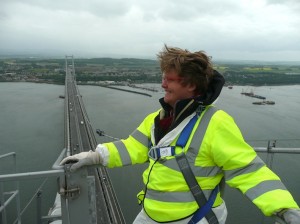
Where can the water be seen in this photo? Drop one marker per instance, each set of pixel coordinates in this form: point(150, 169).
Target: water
point(258, 123)
point(32, 125)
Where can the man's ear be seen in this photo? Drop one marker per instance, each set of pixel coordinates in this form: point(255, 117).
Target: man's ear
point(191, 87)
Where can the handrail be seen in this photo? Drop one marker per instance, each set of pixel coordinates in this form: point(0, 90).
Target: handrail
point(7, 154)
point(56, 165)
point(277, 150)
point(16, 177)
point(271, 149)
point(31, 175)
point(15, 194)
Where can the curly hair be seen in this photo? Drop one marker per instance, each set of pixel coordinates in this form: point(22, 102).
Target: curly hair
point(195, 68)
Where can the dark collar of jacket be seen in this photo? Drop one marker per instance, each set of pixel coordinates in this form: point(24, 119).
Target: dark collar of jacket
point(182, 109)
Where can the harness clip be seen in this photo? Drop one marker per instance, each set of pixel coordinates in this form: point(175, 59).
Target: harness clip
point(156, 153)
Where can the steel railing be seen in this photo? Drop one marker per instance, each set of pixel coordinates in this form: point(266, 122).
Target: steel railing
point(75, 191)
point(6, 198)
point(13, 194)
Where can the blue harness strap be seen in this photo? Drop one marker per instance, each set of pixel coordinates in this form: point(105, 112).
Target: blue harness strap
point(186, 132)
point(206, 209)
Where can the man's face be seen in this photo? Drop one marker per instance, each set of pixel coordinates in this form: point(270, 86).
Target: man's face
point(174, 89)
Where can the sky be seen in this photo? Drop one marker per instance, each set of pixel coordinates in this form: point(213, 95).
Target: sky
point(267, 30)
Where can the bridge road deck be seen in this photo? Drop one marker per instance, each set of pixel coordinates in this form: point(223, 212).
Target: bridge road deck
point(79, 137)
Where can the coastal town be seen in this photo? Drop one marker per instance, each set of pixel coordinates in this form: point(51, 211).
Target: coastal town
point(129, 71)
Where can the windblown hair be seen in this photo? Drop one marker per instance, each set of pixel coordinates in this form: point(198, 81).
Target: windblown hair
point(195, 68)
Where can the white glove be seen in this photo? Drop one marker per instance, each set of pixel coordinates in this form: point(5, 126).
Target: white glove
point(83, 159)
point(291, 216)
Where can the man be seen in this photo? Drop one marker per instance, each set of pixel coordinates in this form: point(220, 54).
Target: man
point(191, 147)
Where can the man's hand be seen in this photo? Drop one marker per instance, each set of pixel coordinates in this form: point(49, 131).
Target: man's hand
point(290, 216)
point(83, 159)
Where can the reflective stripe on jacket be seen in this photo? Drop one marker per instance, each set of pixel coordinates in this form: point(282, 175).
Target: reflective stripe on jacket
point(222, 153)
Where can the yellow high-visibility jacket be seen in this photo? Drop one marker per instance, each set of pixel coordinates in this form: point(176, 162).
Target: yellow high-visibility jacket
point(223, 153)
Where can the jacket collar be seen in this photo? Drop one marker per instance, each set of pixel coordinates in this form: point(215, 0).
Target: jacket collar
point(185, 106)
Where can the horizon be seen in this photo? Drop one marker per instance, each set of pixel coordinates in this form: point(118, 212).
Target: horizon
point(49, 56)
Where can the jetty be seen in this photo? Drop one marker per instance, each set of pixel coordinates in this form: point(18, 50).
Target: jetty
point(264, 102)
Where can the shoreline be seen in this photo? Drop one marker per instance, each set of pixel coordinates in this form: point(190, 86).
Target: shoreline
point(225, 85)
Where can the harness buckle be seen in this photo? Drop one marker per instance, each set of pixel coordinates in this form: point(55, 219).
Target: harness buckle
point(200, 109)
point(157, 153)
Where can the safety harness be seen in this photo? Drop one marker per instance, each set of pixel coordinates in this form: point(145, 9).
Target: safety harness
point(204, 204)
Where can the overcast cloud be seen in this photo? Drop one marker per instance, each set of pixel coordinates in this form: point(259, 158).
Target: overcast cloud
point(225, 29)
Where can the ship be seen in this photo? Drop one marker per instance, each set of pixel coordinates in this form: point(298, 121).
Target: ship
point(251, 94)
